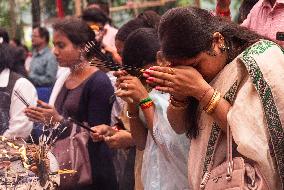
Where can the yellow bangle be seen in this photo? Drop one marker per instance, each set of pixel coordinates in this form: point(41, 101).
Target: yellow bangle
point(213, 103)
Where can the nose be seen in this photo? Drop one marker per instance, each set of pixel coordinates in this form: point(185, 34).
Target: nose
point(55, 51)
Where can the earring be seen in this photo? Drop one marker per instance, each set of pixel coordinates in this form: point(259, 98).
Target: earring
point(223, 48)
point(81, 56)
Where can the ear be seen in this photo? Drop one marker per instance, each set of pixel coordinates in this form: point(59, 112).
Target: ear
point(218, 39)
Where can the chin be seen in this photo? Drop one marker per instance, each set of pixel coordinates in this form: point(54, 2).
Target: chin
point(61, 64)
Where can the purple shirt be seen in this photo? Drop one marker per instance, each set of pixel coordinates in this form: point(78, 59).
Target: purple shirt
point(267, 20)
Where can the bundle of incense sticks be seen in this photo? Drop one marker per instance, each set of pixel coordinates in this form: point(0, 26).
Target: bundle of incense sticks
point(102, 60)
point(21, 97)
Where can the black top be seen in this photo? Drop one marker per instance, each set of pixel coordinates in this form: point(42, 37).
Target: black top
point(90, 102)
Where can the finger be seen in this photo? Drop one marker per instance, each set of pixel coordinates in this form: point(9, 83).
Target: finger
point(168, 70)
point(33, 113)
point(124, 86)
point(119, 73)
point(165, 89)
point(160, 75)
point(44, 105)
point(123, 78)
point(34, 117)
point(40, 110)
point(160, 82)
point(123, 93)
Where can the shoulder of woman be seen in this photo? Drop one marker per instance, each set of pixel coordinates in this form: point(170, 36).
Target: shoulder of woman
point(99, 79)
point(24, 83)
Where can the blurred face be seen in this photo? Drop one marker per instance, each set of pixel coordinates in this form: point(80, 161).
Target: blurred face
point(207, 65)
point(66, 53)
point(99, 30)
point(37, 40)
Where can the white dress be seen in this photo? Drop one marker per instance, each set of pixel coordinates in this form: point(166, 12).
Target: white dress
point(164, 164)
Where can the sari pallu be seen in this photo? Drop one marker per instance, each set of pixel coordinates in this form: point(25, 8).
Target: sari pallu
point(256, 77)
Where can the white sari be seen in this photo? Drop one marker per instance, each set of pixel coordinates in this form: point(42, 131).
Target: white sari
point(165, 158)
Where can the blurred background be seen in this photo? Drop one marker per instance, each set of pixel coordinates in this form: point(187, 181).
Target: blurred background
point(18, 16)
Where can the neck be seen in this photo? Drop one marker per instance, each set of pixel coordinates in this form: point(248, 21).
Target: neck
point(79, 68)
point(40, 47)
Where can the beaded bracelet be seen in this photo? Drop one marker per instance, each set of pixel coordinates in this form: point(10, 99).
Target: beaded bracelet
point(146, 103)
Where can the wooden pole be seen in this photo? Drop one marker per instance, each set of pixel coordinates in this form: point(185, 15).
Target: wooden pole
point(36, 12)
point(59, 9)
point(197, 3)
point(138, 5)
point(78, 10)
point(12, 15)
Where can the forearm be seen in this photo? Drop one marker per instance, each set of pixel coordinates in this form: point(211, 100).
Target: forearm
point(138, 130)
point(177, 119)
point(220, 112)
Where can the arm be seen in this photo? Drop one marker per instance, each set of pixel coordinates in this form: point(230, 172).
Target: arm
point(19, 124)
point(137, 128)
point(132, 88)
point(97, 98)
point(188, 82)
point(177, 119)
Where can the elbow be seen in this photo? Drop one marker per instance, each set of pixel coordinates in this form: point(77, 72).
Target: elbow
point(140, 147)
point(140, 144)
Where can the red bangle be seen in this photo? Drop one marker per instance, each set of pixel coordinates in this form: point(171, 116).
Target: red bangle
point(146, 105)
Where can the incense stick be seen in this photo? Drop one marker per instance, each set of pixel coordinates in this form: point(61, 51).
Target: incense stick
point(21, 97)
point(82, 125)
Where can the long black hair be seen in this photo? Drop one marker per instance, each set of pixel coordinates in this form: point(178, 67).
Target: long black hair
point(147, 19)
point(186, 32)
point(140, 48)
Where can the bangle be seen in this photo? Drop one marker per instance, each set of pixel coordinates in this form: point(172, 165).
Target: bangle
point(213, 103)
point(131, 116)
point(145, 101)
point(146, 105)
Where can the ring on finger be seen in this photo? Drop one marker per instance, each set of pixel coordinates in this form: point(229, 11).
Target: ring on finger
point(171, 71)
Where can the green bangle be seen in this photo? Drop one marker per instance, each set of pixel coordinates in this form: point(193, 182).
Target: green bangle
point(145, 101)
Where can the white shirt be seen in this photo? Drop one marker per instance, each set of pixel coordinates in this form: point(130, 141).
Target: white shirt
point(109, 37)
point(19, 124)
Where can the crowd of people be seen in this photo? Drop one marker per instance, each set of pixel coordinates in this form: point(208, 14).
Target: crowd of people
point(186, 100)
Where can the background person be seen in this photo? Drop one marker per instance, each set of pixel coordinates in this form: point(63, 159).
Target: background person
point(43, 65)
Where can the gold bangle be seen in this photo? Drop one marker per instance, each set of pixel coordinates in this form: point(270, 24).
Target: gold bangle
point(211, 100)
point(213, 103)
